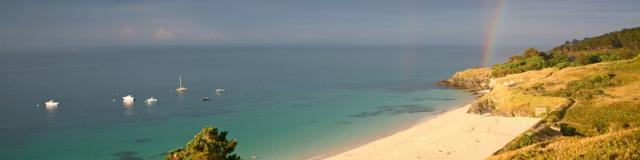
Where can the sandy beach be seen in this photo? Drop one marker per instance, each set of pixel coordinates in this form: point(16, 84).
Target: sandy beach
point(454, 134)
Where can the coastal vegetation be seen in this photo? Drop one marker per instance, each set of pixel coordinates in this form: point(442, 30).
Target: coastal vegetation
point(624, 44)
point(208, 144)
point(587, 92)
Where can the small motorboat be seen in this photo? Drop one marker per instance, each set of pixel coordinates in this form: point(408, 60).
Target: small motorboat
point(151, 100)
point(128, 99)
point(221, 90)
point(51, 103)
point(205, 98)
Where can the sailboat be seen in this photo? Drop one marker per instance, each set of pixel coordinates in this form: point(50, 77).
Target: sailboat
point(181, 88)
point(51, 103)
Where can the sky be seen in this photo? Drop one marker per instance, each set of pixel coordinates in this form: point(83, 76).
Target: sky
point(544, 23)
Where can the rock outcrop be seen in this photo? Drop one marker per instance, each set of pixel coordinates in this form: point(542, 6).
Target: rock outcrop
point(473, 79)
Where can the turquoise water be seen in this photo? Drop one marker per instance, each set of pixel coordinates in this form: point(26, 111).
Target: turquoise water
point(282, 102)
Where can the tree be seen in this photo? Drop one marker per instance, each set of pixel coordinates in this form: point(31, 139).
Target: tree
point(209, 144)
point(532, 52)
point(558, 59)
point(534, 63)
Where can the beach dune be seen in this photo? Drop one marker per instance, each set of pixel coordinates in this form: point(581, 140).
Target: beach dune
point(454, 134)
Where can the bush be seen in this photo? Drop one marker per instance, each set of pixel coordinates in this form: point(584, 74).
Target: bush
point(567, 130)
point(531, 59)
point(585, 59)
point(563, 64)
point(534, 63)
point(558, 59)
point(519, 66)
point(209, 144)
point(588, 87)
point(532, 52)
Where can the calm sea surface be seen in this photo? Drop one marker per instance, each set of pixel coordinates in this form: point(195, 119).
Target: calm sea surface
point(281, 102)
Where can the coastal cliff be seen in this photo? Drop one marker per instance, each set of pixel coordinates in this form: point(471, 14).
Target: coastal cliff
point(473, 79)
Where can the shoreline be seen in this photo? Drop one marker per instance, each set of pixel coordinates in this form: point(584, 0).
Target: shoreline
point(385, 135)
point(438, 137)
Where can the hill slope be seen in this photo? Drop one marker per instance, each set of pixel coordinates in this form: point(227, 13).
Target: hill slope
point(583, 94)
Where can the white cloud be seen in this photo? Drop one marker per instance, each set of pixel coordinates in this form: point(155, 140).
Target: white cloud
point(163, 33)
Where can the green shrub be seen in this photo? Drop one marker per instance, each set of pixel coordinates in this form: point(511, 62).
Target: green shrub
point(519, 66)
point(586, 88)
point(558, 59)
point(592, 120)
point(208, 144)
point(585, 59)
point(568, 130)
point(563, 65)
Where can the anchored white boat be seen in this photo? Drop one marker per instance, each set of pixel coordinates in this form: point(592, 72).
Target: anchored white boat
point(51, 103)
point(221, 90)
point(151, 100)
point(181, 88)
point(128, 99)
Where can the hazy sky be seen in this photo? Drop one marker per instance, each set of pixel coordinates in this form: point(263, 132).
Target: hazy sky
point(28, 23)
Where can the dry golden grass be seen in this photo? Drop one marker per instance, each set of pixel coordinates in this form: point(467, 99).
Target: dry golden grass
point(473, 72)
point(618, 145)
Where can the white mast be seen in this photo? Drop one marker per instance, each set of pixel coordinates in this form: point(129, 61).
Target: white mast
point(181, 88)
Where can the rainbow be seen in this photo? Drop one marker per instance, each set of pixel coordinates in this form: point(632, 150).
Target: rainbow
point(491, 32)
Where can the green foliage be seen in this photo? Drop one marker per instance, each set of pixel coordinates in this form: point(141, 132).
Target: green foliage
point(609, 57)
point(626, 38)
point(594, 81)
point(534, 63)
point(532, 59)
point(532, 52)
point(527, 139)
point(568, 130)
point(563, 64)
point(602, 122)
point(624, 44)
point(176, 154)
point(590, 57)
point(585, 59)
point(588, 87)
point(208, 144)
point(559, 60)
point(590, 120)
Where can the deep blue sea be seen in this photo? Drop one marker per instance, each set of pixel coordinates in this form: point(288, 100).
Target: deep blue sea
point(281, 102)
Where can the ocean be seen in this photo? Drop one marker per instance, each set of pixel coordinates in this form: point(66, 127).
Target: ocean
point(281, 102)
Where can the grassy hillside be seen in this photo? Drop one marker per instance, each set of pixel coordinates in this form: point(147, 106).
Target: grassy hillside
point(587, 92)
point(605, 96)
point(617, 145)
